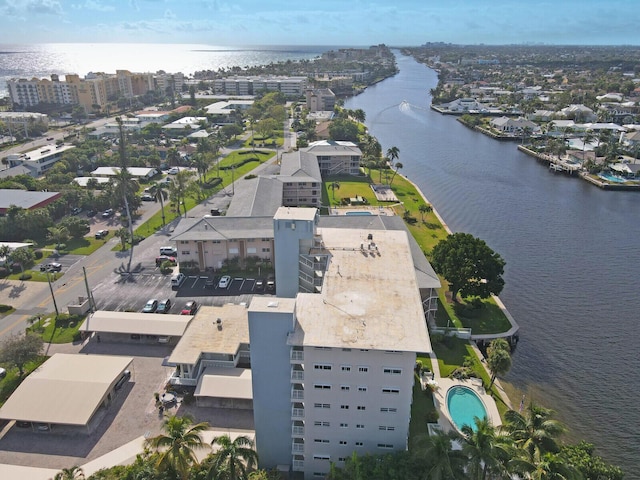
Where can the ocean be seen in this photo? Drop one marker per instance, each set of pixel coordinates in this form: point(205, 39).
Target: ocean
point(41, 60)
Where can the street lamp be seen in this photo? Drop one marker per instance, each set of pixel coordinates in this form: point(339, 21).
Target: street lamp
point(53, 297)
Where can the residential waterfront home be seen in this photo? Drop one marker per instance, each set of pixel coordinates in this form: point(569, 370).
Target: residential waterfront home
point(513, 126)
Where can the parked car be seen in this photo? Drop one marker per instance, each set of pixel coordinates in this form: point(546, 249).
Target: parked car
point(76, 210)
point(165, 258)
point(107, 213)
point(91, 213)
point(51, 267)
point(177, 279)
point(102, 234)
point(259, 286)
point(3, 373)
point(190, 308)
point(164, 306)
point(210, 282)
point(173, 171)
point(123, 379)
point(49, 139)
point(168, 251)
point(224, 282)
point(147, 197)
point(271, 284)
point(215, 212)
point(151, 306)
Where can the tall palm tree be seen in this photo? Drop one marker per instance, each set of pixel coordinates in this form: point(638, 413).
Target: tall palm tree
point(202, 162)
point(397, 166)
point(160, 194)
point(125, 185)
point(72, 473)
point(535, 432)
point(234, 459)
point(486, 449)
point(551, 467)
point(177, 445)
point(444, 462)
point(180, 188)
point(333, 186)
point(393, 153)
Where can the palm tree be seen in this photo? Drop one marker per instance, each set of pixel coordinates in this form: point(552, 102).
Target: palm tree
point(535, 432)
point(180, 188)
point(333, 186)
point(498, 358)
point(423, 209)
point(443, 461)
point(392, 154)
point(234, 459)
point(72, 473)
point(5, 250)
point(160, 194)
point(487, 451)
point(173, 157)
point(202, 162)
point(123, 234)
point(176, 447)
point(125, 185)
point(397, 166)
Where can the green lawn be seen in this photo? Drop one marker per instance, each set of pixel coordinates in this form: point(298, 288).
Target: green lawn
point(80, 246)
point(36, 275)
point(423, 411)
point(349, 187)
point(9, 384)
point(62, 330)
point(227, 175)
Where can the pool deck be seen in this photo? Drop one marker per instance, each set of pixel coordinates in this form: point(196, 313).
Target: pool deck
point(387, 211)
point(440, 400)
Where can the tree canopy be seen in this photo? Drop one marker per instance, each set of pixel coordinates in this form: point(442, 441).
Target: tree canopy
point(19, 350)
point(469, 265)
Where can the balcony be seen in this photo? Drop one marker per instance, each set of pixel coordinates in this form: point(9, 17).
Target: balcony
point(298, 465)
point(297, 429)
point(297, 356)
point(297, 394)
point(297, 446)
point(297, 410)
point(297, 375)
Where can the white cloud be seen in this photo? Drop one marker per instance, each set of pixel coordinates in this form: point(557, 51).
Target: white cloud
point(15, 8)
point(97, 6)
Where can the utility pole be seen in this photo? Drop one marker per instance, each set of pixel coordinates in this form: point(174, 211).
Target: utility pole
point(53, 297)
point(92, 302)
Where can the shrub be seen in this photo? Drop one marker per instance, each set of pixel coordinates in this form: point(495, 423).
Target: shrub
point(250, 176)
point(4, 271)
point(25, 276)
point(38, 254)
point(189, 267)
point(432, 416)
point(5, 308)
point(61, 246)
point(166, 267)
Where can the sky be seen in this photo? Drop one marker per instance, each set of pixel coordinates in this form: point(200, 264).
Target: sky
point(321, 22)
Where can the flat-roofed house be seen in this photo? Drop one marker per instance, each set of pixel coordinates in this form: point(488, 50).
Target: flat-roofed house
point(25, 199)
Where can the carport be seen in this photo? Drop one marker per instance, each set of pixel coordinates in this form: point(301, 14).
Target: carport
point(136, 327)
point(66, 391)
point(221, 387)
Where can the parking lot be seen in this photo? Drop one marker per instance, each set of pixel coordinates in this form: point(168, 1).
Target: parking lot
point(130, 293)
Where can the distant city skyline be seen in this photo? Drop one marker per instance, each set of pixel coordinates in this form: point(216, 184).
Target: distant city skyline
point(329, 22)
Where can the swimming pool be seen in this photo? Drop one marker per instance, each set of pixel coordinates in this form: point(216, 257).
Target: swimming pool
point(611, 178)
point(464, 405)
point(363, 212)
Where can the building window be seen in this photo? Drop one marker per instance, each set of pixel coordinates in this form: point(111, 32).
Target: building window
point(346, 349)
point(322, 366)
point(361, 407)
point(392, 371)
point(322, 348)
point(385, 445)
point(388, 410)
point(392, 390)
point(342, 459)
point(359, 444)
point(385, 428)
point(320, 440)
point(321, 405)
point(344, 407)
point(321, 457)
point(321, 424)
point(362, 388)
point(343, 442)
point(345, 388)
point(345, 368)
point(322, 386)
point(360, 426)
point(266, 250)
point(363, 369)
point(344, 425)
point(185, 252)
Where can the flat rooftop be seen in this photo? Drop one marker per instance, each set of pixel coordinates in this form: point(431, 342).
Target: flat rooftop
point(295, 213)
point(25, 199)
point(370, 297)
point(66, 389)
point(204, 336)
point(224, 382)
point(104, 321)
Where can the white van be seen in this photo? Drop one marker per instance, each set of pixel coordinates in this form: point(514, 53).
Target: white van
point(177, 279)
point(168, 251)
